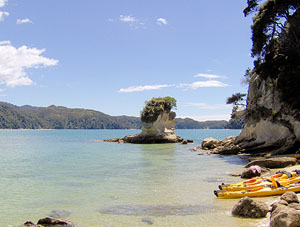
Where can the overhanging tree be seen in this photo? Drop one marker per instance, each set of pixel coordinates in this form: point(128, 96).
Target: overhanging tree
point(276, 45)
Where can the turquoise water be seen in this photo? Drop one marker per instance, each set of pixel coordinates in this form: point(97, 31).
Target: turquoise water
point(65, 173)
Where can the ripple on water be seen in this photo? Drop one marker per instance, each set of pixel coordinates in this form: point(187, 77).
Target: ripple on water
point(157, 210)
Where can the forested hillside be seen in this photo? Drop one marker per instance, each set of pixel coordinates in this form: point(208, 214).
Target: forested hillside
point(58, 117)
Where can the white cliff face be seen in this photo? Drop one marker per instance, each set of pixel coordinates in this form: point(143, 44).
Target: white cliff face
point(270, 124)
point(164, 125)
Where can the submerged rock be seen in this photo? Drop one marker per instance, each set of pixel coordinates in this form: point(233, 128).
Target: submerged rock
point(156, 210)
point(248, 208)
point(59, 214)
point(148, 221)
point(49, 221)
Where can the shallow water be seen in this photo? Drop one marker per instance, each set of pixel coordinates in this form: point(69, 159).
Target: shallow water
point(64, 173)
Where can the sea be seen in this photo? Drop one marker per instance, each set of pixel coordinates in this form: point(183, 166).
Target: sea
point(70, 174)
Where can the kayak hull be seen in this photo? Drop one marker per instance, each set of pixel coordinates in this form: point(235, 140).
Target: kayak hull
point(258, 192)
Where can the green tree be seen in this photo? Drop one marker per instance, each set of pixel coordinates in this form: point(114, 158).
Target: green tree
point(276, 45)
point(238, 101)
point(275, 22)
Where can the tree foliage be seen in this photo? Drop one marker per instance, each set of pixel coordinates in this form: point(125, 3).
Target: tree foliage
point(272, 24)
point(156, 106)
point(236, 99)
point(276, 45)
point(237, 118)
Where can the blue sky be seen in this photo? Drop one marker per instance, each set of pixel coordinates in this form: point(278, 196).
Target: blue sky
point(113, 55)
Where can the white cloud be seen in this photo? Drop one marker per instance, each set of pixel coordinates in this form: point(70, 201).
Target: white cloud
point(3, 14)
point(6, 42)
point(216, 117)
point(143, 88)
point(3, 2)
point(23, 21)
point(127, 19)
point(209, 83)
point(209, 106)
point(110, 20)
point(195, 85)
point(161, 21)
point(14, 61)
point(208, 76)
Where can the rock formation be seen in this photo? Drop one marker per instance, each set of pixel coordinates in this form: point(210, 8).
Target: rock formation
point(271, 125)
point(158, 123)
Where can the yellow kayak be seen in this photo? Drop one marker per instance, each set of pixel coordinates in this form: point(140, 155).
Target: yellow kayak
point(281, 178)
point(262, 183)
point(257, 192)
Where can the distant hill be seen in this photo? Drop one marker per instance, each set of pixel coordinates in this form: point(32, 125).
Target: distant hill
point(59, 117)
point(188, 123)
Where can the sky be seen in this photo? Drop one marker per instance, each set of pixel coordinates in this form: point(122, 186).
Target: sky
point(113, 55)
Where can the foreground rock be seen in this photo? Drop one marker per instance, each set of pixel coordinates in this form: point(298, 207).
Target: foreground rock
point(248, 208)
point(225, 147)
point(290, 197)
point(285, 213)
point(278, 162)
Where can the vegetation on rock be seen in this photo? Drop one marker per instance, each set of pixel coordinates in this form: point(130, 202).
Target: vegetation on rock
point(156, 106)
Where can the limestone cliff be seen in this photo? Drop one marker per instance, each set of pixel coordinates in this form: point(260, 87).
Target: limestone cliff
point(159, 131)
point(271, 125)
point(164, 124)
